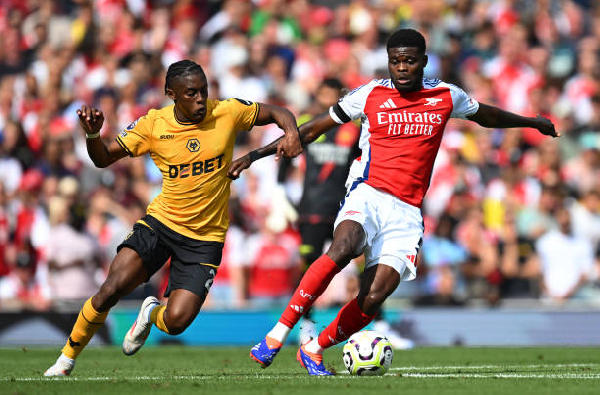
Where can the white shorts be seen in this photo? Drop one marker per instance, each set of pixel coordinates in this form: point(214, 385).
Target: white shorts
point(394, 228)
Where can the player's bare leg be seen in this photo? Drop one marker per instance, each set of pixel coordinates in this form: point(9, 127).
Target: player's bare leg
point(181, 310)
point(125, 274)
point(378, 283)
point(348, 240)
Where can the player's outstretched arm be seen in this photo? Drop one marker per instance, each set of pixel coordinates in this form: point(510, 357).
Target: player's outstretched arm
point(289, 145)
point(494, 117)
point(309, 132)
point(91, 121)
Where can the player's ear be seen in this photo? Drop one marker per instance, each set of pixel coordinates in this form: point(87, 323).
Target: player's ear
point(425, 60)
point(170, 94)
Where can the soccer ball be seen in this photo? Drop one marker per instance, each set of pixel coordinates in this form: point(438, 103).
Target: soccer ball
point(368, 353)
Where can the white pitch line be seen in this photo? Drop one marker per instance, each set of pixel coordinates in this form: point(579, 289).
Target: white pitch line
point(505, 376)
point(474, 367)
point(343, 375)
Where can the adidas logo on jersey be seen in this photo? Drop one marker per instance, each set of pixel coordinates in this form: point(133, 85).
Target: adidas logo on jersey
point(432, 101)
point(389, 103)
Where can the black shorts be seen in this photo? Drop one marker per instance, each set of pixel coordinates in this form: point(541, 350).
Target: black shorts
point(194, 263)
point(314, 236)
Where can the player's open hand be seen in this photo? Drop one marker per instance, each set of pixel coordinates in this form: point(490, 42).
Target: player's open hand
point(289, 146)
point(237, 166)
point(90, 119)
point(545, 126)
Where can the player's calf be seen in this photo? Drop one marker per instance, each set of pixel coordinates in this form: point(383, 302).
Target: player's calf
point(378, 283)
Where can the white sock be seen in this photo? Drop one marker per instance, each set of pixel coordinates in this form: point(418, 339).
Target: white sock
point(314, 347)
point(279, 332)
point(64, 360)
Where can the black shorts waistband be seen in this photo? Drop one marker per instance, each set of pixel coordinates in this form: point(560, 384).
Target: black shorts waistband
point(164, 230)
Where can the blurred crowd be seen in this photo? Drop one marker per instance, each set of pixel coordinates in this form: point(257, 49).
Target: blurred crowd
point(509, 214)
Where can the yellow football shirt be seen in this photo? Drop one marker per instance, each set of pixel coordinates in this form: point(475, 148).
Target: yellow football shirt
point(193, 159)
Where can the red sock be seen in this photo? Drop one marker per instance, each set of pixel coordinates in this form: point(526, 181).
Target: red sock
point(313, 284)
point(349, 320)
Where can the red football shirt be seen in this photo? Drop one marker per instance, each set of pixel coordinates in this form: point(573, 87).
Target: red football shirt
point(401, 133)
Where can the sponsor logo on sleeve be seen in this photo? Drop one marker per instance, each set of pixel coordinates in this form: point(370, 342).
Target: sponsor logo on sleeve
point(132, 124)
point(246, 102)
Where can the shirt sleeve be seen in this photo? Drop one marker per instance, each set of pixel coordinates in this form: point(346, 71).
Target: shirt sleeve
point(352, 105)
point(463, 104)
point(136, 138)
point(244, 113)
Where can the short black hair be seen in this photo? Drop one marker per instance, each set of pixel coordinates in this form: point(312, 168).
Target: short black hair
point(182, 68)
point(406, 38)
point(333, 83)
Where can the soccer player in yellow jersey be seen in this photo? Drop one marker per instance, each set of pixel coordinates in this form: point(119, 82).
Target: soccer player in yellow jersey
point(191, 142)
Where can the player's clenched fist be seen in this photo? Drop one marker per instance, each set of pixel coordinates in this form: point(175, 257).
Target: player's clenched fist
point(289, 146)
point(90, 119)
point(239, 165)
point(545, 126)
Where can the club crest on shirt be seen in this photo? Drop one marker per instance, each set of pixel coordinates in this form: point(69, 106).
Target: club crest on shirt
point(432, 101)
point(193, 145)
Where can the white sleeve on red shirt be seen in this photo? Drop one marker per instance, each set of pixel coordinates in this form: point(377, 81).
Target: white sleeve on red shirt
point(352, 105)
point(462, 104)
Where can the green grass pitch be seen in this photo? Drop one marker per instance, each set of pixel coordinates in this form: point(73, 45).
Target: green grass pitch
point(226, 370)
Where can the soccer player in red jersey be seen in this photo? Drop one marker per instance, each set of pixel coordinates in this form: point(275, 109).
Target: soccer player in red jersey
point(403, 120)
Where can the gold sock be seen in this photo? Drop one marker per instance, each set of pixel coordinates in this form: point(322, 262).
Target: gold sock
point(88, 322)
point(157, 315)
